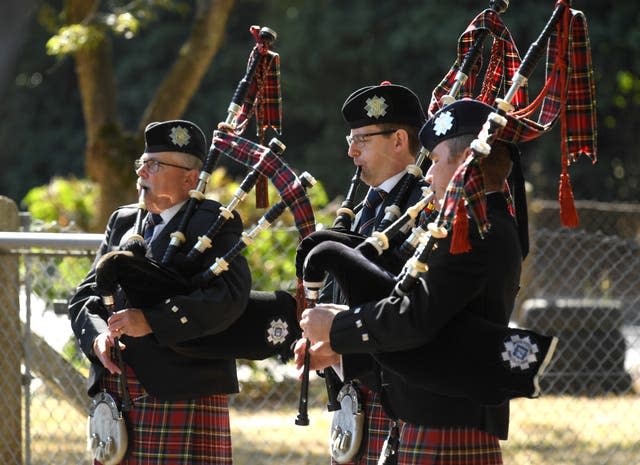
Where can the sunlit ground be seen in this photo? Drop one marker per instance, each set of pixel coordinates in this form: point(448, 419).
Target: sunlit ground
point(574, 431)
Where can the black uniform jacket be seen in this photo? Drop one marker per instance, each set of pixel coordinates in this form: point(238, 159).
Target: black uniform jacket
point(163, 372)
point(361, 366)
point(483, 281)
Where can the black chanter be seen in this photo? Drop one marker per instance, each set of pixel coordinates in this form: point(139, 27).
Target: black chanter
point(343, 222)
point(341, 226)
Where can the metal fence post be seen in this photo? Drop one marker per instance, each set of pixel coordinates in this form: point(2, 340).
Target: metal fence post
point(10, 340)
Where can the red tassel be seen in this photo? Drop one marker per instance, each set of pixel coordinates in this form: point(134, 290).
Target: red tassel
point(301, 302)
point(460, 237)
point(262, 192)
point(568, 213)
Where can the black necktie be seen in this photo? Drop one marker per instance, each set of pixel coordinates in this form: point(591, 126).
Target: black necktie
point(368, 217)
point(153, 219)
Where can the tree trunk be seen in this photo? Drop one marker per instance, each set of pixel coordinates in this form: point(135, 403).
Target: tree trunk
point(110, 150)
point(107, 155)
point(176, 90)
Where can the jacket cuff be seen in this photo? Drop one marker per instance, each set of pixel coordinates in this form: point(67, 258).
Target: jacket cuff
point(349, 333)
point(169, 321)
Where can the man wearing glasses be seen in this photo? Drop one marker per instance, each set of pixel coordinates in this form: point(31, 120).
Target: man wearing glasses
point(384, 122)
point(180, 411)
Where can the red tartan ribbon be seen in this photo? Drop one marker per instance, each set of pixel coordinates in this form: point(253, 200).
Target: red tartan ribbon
point(569, 93)
point(264, 96)
point(268, 164)
point(465, 193)
point(504, 62)
point(466, 189)
point(568, 47)
point(263, 99)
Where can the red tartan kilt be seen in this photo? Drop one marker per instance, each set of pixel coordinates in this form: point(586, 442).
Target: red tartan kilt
point(377, 425)
point(188, 432)
point(447, 446)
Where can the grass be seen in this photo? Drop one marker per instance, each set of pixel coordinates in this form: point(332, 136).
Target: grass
point(552, 430)
point(263, 438)
point(574, 430)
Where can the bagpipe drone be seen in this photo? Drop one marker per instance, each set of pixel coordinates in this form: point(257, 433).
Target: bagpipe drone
point(269, 324)
point(506, 362)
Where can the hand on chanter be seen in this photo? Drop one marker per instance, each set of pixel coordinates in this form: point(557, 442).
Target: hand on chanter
point(130, 321)
point(316, 321)
point(321, 356)
point(102, 347)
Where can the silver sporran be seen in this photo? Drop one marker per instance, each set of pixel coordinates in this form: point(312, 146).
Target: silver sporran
point(347, 425)
point(106, 430)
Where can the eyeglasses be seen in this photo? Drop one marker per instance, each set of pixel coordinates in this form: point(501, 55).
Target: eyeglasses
point(361, 139)
point(153, 166)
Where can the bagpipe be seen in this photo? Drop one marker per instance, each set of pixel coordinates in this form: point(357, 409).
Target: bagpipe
point(487, 362)
point(269, 323)
point(567, 96)
point(504, 363)
point(379, 242)
point(523, 354)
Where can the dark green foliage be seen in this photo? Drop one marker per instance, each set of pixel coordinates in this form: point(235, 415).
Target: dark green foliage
point(328, 49)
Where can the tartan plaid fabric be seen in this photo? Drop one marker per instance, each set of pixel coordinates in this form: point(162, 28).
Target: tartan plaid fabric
point(450, 446)
point(270, 165)
point(264, 97)
point(377, 425)
point(579, 93)
point(189, 432)
point(466, 184)
point(504, 61)
point(575, 100)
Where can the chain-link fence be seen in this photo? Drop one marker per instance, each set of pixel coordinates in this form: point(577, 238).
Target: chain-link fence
point(580, 285)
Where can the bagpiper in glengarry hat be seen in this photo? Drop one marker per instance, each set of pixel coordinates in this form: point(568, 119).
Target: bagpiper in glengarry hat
point(175, 136)
point(568, 96)
point(385, 103)
point(459, 118)
point(467, 117)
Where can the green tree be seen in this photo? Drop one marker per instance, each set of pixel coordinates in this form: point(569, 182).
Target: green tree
point(328, 49)
point(83, 30)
